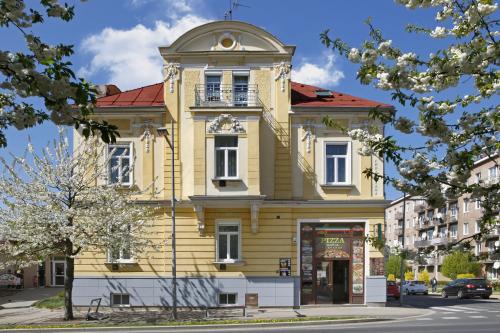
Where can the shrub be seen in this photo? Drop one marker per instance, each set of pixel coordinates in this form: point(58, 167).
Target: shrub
point(424, 276)
point(391, 277)
point(458, 262)
point(466, 276)
point(409, 276)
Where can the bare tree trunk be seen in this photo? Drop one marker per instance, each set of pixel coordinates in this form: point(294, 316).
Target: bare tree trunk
point(68, 288)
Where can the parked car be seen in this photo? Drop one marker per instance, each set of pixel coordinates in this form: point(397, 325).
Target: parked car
point(465, 288)
point(415, 287)
point(392, 289)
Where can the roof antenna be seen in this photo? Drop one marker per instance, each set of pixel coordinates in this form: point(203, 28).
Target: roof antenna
point(233, 5)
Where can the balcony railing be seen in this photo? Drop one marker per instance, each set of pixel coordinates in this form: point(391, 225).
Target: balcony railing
point(227, 95)
point(422, 243)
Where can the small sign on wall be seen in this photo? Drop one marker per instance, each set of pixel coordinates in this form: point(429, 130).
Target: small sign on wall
point(285, 266)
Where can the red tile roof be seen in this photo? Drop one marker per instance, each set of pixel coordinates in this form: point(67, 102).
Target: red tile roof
point(304, 95)
point(145, 96)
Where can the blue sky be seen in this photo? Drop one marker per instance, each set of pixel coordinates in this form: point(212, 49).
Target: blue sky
point(116, 41)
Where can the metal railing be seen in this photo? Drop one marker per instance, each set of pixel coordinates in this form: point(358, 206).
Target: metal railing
point(422, 243)
point(227, 95)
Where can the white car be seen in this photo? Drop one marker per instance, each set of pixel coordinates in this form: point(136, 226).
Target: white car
point(415, 287)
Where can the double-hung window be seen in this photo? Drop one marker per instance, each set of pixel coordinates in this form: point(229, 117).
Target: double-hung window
point(492, 174)
point(228, 241)
point(240, 90)
point(121, 252)
point(226, 156)
point(120, 163)
point(212, 88)
point(337, 163)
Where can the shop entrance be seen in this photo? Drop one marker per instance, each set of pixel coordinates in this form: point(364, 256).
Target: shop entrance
point(332, 282)
point(332, 263)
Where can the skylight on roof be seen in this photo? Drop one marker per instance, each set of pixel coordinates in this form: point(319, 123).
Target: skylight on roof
point(323, 93)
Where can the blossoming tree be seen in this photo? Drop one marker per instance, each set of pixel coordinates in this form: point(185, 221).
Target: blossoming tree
point(456, 131)
point(42, 72)
point(59, 202)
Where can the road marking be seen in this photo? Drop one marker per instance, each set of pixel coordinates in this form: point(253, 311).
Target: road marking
point(466, 308)
point(443, 308)
point(424, 318)
point(477, 317)
point(448, 318)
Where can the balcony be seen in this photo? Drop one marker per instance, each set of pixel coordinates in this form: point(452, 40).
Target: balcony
point(440, 240)
point(419, 208)
point(227, 96)
point(494, 232)
point(422, 243)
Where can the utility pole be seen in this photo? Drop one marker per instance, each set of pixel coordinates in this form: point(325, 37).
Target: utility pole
point(163, 131)
point(402, 273)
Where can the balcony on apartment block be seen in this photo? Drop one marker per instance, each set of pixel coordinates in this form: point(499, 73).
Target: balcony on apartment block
point(422, 243)
point(214, 95)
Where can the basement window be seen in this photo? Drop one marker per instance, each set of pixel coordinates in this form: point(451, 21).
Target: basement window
point(120, 300)
point(227, 299)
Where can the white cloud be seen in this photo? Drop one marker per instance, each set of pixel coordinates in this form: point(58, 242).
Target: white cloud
point(130, 58)
point(323, 74)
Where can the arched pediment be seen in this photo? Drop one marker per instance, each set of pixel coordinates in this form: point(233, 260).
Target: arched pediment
point(227, 36)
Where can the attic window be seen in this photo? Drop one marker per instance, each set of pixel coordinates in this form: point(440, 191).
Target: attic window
point(323, 93)
point(227, 41)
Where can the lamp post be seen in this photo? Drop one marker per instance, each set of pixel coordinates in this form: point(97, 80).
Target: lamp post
point(163, 131)
point(402, 273)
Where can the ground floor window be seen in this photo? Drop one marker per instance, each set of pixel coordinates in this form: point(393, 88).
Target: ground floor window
point(228, 241)
point(491, 273)
point(120, 300)
point(227, 298)
point(332, 263)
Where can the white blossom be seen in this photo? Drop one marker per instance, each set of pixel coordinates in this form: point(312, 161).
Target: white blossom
point(438, 32)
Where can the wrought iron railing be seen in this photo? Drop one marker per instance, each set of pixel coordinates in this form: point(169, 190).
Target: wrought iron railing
point(227, 95)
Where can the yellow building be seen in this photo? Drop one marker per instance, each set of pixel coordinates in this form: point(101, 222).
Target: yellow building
point(273, 208)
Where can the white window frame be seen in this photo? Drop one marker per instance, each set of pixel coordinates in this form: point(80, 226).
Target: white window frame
point(112, 304)
point(491, 171)
point(478, 204)
point(466, 205)
point(454, 231)
point(110, 147)
point(477, 228)
point(227, 304)
point(121, 260)
point(478, 177)
point(230, 223)
point(466, 229)
point(348, 157)
point(226, 156)
point(453, 210)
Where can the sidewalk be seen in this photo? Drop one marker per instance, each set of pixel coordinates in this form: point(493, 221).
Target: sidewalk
point(33, 316)
point(24, 298)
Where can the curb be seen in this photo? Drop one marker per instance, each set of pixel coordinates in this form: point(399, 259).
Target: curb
point(197, 327)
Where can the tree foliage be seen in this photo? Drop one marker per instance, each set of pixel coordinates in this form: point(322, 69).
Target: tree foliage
point(42, 71)
point(459, 262)
point(59, 202)
point(456, 130)
point(393, 266)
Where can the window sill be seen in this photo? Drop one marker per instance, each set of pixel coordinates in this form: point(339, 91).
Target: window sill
point(227, 179)
point(122, 262)
point(231, 263)
point(338, 186)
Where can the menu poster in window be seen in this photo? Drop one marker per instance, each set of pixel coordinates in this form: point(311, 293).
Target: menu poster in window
point(332, 248)
point(285, 266)
point(358, 257)
point(377, 267)
point(306, 259)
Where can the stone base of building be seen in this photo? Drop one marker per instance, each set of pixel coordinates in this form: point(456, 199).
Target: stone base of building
point(204, 292)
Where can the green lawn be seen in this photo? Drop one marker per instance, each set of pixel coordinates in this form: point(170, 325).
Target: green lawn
point(54, 302)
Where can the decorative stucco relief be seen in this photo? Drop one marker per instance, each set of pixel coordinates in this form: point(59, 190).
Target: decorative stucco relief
point(309, 134)
point(148, 135)
point(283, 70)
point(170, 73)
point(225, 123)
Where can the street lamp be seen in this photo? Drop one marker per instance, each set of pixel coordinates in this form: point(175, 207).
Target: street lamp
point(163, 131)
point(402, 273)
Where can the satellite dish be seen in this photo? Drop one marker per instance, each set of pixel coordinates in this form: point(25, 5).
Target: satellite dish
point(496, 265)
